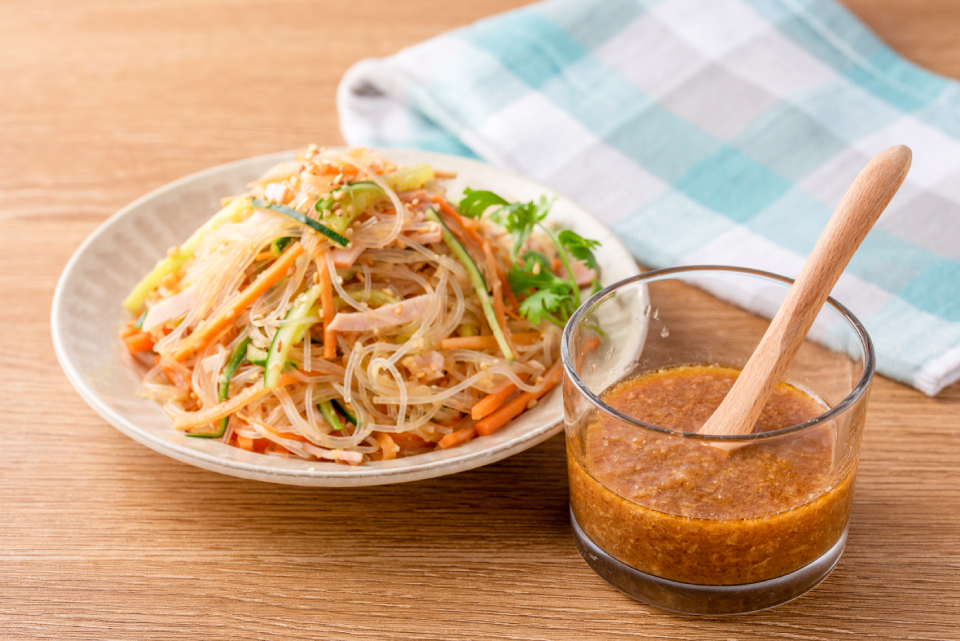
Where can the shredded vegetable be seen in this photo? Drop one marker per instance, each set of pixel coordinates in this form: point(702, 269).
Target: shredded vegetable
point(343, 310)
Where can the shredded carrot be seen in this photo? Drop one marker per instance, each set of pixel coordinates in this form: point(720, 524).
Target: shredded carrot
point(326, 303)
point(129, 330)
point(217, 323)
point(389, 448)
point(484, 342)
point(139, 342)
point(469, 228)
point(252, 444)
point(514, 408)
point(504, 281)
point(267, 255)
point(230, 406)
point(457, 438)
point(489, 403)
point(498, 306)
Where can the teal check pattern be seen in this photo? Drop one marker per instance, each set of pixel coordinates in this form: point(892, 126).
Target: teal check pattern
point(704, 132)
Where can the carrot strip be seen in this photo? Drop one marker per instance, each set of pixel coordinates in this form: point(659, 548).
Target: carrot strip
point(326, 303)
point(495, 268)
point(230, 406)
point(457, 438)
point(498, 306)
point(267, 255)
point(484, 342)
point(217, 323)
point(389, 448)
point(489, 403)
point(138, 342)
point(468, 227)
point(514, 408)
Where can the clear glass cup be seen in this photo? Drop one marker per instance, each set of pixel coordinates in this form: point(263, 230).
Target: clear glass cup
point(699, 552)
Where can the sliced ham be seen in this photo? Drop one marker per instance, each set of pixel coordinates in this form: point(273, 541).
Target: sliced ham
point(345, 258)
point(382, 317)
point(427, 366)
point(407, 198)
point(277, 192)
point(582, 274)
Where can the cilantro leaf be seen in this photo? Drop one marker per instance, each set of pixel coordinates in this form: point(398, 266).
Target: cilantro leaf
point(540, 304)
point(529, 277)
point(552, 298)
point(582, 249)
point(519, 219)
point(475, 202)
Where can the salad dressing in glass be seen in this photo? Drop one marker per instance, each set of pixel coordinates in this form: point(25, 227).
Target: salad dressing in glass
point(678, 509)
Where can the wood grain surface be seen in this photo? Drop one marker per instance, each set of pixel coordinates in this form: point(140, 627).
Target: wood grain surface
point(101, 538)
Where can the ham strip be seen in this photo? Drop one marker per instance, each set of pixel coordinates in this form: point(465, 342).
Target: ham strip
point(345, 258)
point(382, 317)
point(582, 274)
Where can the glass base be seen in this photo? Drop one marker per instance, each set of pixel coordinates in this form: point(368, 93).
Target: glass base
point(705, 599)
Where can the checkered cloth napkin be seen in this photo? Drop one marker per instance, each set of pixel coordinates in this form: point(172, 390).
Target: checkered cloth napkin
point(704, 132)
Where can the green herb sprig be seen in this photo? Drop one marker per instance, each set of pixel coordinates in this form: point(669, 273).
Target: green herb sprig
point(547, 295)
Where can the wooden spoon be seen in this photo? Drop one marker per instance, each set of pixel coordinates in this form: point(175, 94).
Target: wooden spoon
point(858, 211)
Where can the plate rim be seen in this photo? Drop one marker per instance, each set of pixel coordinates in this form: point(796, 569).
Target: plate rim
point(338, 476)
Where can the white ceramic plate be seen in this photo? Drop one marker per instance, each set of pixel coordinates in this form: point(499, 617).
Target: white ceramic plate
point(87, 317)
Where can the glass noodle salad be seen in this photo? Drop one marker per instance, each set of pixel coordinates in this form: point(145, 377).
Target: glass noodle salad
point(343, 310)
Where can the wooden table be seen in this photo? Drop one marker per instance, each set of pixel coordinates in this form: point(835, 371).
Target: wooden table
point(102, 101)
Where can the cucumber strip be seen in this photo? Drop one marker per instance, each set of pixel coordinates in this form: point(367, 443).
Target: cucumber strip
point(236, 358)
point(412, 177)
point(318, 227)
point(330, 416)
point(169, 265)
point(343, 410)
point(256, 356)
point(478, 283)
point(354, 199)
point(288, 336)
point(359, 195)
point(279, 244)
point(143, 317)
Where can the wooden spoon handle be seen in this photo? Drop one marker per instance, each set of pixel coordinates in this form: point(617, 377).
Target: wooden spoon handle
point(863, 203)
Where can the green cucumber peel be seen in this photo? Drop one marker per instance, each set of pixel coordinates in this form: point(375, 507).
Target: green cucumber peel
point(237, 357)
point(140, 319)
point(316, 226)
point(478, 283)
point(256, 356)
point(279, 244)
point(330, 415)
point(288, 335)
point(340, 407)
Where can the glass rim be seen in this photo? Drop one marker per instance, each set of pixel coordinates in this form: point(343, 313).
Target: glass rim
point(869, 358)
